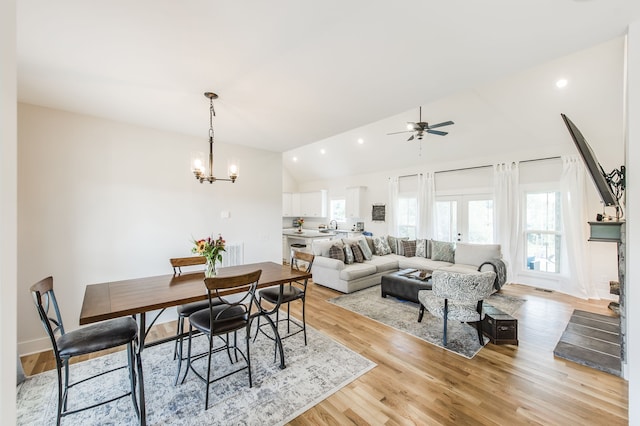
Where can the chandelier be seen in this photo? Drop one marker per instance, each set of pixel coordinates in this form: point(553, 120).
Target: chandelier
point(198, 161)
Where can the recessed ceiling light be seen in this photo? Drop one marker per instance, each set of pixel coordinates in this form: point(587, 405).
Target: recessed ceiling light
point(295, 159)
point(562, 83)
point(360, 141)
point(322, 151)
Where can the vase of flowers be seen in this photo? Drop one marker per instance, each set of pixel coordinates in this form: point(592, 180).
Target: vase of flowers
point(212, 250)
point(299, 223)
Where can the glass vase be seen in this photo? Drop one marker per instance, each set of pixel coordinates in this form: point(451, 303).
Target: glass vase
point(210, 270)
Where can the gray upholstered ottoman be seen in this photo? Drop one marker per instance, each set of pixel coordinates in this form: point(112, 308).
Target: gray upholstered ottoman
point(405, 284)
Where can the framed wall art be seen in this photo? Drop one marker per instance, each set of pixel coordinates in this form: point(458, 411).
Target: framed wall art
point(378, 213)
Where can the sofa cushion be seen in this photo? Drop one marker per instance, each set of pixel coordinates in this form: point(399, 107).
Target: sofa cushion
point(442, 250)
point(418, 262)
point(357, 270)
point(476, 254)
point(336, 251)
point(358, 257)
point(409, 248)
point(460, 267)
point(381, 246)
point(384, 263)
point(366, 250)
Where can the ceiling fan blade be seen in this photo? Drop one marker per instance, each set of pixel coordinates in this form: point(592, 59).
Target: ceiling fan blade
point(404, 131)
point(411, 138)
point(445, 123)
point(437, 132)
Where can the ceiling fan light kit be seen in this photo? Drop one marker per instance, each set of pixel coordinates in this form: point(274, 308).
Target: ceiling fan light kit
point(198, 159)
point(422, 127)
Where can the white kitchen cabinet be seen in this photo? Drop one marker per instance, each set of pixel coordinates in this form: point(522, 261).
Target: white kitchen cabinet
point(290, 204)
point(304, 204)
point(313, 204)
point(354, 202)
point(286, 204)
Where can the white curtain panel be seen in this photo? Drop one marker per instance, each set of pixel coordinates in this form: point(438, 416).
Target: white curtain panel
point(426, 205)
point(392, 211)
point(574, 224)
point(506, 213)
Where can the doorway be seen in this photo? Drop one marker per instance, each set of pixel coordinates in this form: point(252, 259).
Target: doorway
point(465, 218)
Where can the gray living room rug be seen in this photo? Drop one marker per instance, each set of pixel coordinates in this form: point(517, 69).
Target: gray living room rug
point(313, 373)
point(462, 338)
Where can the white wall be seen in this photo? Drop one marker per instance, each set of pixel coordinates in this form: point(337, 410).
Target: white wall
point(633, 219)
point(8, 211)
point(100, 200)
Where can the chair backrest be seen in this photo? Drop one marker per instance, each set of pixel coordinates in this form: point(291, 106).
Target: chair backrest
point(233, 291)
point(179, 262)
point(301, 259)
point(47, 306)
point(462, 287)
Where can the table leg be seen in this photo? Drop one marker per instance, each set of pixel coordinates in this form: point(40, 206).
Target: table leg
point(278, 339)
point(141, 338)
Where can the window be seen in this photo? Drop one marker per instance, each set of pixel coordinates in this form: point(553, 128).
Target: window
point(338, 210)
point(407, 217)
point(543, 231)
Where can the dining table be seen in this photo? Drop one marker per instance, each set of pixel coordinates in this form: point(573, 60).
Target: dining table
point(138, 297)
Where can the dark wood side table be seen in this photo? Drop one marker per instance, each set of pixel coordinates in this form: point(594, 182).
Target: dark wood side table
point(499, 327)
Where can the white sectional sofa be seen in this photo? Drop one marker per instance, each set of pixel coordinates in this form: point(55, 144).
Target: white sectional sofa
point(349, 277)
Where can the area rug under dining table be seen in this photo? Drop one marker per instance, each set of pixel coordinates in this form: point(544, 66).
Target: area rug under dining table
point(462, 338)
point(313, 373)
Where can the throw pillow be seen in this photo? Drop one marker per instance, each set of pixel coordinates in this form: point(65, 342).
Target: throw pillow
point(421, 248)
point(396, 244)
point(370, 243)
point(336, 252)
point(441, 250)
point(409, 248)
point(381, 246)
point(358, 257)
point(348, 254)
point(366, 250)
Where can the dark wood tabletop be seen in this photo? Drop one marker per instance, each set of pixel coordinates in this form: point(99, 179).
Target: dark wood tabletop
point(136, 296)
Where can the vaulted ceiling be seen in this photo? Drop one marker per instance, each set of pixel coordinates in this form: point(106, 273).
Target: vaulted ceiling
point(295, 75)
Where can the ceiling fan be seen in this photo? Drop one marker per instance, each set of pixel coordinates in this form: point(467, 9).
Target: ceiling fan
point(422, 127)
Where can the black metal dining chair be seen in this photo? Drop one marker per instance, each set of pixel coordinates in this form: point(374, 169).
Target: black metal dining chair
point(90, 339)
point(230, 301)
point(186, 310)
point(286, 294)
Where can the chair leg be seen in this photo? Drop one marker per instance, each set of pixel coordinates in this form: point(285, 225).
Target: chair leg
point(178, 348)
point(132, 376)
point(206, 399)
point(446, 313)
point(421, 313)
point(188, 366)
point(288, 318)
point(59, 416)
point(248, 337)
point(304, 323)
point(479, 328)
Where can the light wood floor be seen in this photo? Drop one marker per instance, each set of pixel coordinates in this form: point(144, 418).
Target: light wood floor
point(416, 383)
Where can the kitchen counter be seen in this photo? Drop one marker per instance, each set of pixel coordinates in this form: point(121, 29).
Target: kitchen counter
point(308, 233)
point(306, 237)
